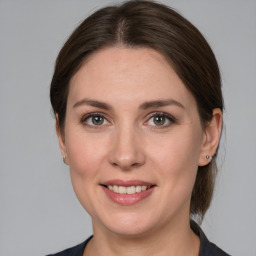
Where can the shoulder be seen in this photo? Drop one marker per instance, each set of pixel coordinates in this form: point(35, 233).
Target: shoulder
point(206, 247)
point(73, 251)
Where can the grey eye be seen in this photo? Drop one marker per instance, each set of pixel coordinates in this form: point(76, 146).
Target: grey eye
point(97, 120)
point(94, 119)
point(159, 120)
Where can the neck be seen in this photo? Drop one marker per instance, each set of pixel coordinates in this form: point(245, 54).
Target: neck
point(176, 240)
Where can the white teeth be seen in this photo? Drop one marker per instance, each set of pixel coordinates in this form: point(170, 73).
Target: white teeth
point(115, 188)
point(127, 190)
point(143, 188)
point(138, 189)
point(130, 190)
point(122, 190)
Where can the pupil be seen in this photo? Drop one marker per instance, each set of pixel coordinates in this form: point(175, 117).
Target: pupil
point(97, 120)
point(159, 120)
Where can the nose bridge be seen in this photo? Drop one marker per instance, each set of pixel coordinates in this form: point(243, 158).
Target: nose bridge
point(126, 151)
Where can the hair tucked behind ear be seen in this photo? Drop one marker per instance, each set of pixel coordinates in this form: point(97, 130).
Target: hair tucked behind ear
point(148, 24)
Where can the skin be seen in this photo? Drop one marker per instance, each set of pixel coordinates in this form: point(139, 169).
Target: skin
point(130, 145)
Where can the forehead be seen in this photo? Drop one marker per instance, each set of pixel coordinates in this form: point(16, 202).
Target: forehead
point(142, 73)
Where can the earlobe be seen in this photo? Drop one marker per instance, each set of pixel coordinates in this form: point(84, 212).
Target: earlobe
point(211, 138)
point(61, 140)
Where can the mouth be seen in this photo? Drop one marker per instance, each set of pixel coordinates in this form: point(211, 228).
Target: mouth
point(127, 192)
point(130, 190)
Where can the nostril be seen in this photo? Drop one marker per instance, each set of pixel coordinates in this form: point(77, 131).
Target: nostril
point(126, 165)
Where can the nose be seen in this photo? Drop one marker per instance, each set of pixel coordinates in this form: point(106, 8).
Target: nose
point(127, 149)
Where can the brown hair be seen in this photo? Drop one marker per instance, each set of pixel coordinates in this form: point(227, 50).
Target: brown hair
point(152, 25)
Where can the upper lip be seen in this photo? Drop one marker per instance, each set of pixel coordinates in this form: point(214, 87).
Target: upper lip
point(127, 183)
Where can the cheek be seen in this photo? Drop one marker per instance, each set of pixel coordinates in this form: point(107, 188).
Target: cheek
point(177, 155)
point(85, 153)
point(176, 165)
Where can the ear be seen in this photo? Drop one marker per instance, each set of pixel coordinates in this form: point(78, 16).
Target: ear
point(211, 138)
point(61, 140)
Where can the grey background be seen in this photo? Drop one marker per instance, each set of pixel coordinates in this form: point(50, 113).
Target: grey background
point(39, 212)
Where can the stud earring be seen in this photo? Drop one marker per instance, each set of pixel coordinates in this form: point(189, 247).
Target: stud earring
point(209, 157)
point(64, 160)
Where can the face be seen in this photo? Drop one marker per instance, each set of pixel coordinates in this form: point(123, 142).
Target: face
point(133, 140)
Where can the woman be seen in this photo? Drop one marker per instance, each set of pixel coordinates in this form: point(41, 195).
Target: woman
point(137, 97)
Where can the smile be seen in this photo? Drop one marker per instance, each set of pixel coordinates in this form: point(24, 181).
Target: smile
point(127, 190)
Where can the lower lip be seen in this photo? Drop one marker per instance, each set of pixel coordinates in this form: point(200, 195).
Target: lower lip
point(125, 199)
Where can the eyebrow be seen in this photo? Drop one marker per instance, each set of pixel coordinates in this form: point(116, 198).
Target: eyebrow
point(145, 105)
point(93, 103)
point(161, 103)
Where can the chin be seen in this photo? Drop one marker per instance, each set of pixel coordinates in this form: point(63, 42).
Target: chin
point(129, 230)
point(128, 224)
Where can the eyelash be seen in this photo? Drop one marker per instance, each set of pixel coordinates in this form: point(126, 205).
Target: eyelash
point(167, 117)
point(171, 120)
point(85, 118)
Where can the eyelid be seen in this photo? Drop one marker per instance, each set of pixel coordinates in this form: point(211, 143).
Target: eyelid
point(170, 117)
point(92, 114)
point(161, 113)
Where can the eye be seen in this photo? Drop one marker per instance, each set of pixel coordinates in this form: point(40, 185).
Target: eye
point(160, 120)
point(94, 120)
